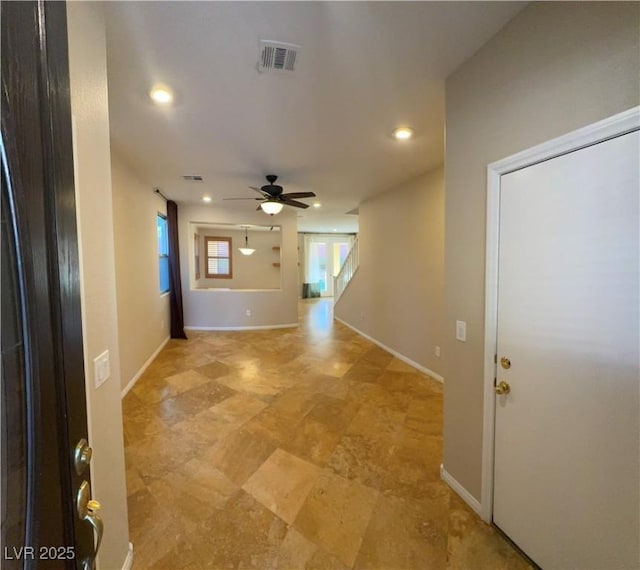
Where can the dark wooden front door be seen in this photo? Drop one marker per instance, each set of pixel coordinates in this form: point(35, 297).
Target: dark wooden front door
point(43, 386)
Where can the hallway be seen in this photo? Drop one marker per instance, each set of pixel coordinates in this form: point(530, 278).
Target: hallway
point(294, 448)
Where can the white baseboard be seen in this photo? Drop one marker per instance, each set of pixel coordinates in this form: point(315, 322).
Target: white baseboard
point(460, 490)
point(395, 353)
point(128, 561)
point(133, 380)
point(250, 328)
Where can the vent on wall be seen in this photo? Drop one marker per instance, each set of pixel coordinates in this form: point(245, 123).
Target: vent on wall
point(277, 56)
point(193, 177)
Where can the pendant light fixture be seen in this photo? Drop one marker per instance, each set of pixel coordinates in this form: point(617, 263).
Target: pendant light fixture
point(246, 250)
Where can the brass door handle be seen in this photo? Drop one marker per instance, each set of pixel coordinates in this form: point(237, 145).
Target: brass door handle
point(502, 388)
point(88, 511)
point(95, 520)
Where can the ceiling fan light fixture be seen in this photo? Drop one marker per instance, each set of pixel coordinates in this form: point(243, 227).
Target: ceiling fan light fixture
point(271, 207)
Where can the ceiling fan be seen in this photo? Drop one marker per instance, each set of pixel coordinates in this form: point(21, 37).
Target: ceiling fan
point(273, 199)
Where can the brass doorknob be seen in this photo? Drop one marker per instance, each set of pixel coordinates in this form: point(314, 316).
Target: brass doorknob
point(503, 388)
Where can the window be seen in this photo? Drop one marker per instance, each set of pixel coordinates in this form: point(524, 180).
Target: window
point(163, 253)
point(218, 257)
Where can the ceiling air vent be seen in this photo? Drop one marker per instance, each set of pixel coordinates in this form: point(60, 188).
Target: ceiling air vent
point(277, 56)
point(193, 177)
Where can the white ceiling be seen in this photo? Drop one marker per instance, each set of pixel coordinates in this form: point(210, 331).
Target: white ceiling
point(364, 69)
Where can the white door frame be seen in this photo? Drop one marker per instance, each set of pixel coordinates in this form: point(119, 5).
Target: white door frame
point(620, 124)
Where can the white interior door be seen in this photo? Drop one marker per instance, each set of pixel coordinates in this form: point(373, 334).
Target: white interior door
point(566, 480)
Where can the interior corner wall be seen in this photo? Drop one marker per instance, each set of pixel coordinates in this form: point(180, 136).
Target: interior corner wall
point(92, 163)
point(143, 312)
point(556, 67)
point(220, 309)
point(396, 296)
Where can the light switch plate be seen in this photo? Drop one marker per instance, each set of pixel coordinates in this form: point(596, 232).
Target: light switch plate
point(101, 369)
point(461, 331)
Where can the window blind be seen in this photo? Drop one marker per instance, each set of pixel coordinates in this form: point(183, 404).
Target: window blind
point(218, 257)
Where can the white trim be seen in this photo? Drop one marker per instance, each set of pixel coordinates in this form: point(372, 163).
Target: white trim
point(128, 561)
point(395, 353)
point(490, 341)
point(620, 124)
point(250, 328)
point(460, 490)
point(149, 360)
point(614, 126)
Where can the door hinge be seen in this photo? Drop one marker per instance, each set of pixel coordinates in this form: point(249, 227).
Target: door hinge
point(495, 359)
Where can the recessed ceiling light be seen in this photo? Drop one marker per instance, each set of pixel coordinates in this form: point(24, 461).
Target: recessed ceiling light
point(206, 198)
point(161, 94)
point(403, 133)
point(335, 229)
point(317, 205)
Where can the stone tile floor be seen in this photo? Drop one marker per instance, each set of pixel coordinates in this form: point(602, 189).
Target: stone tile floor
point(297, 448)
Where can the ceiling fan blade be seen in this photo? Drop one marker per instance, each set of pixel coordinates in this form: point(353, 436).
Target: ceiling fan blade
point(298, 195)
point(242, 198)
point(259, 190)
point(294, 203)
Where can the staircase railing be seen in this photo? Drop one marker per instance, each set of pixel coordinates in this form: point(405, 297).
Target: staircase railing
point(347, 271)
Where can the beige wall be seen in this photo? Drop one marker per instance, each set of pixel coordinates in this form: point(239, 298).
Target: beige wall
point(554, 68)
point(220, 309)
point(143, 313)
point(255, 271)
point(396, 296)
point(89, 106)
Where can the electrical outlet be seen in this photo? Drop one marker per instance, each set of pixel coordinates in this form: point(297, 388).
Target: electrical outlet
point(248, 312)
point(437, 351)
point(101, 369)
